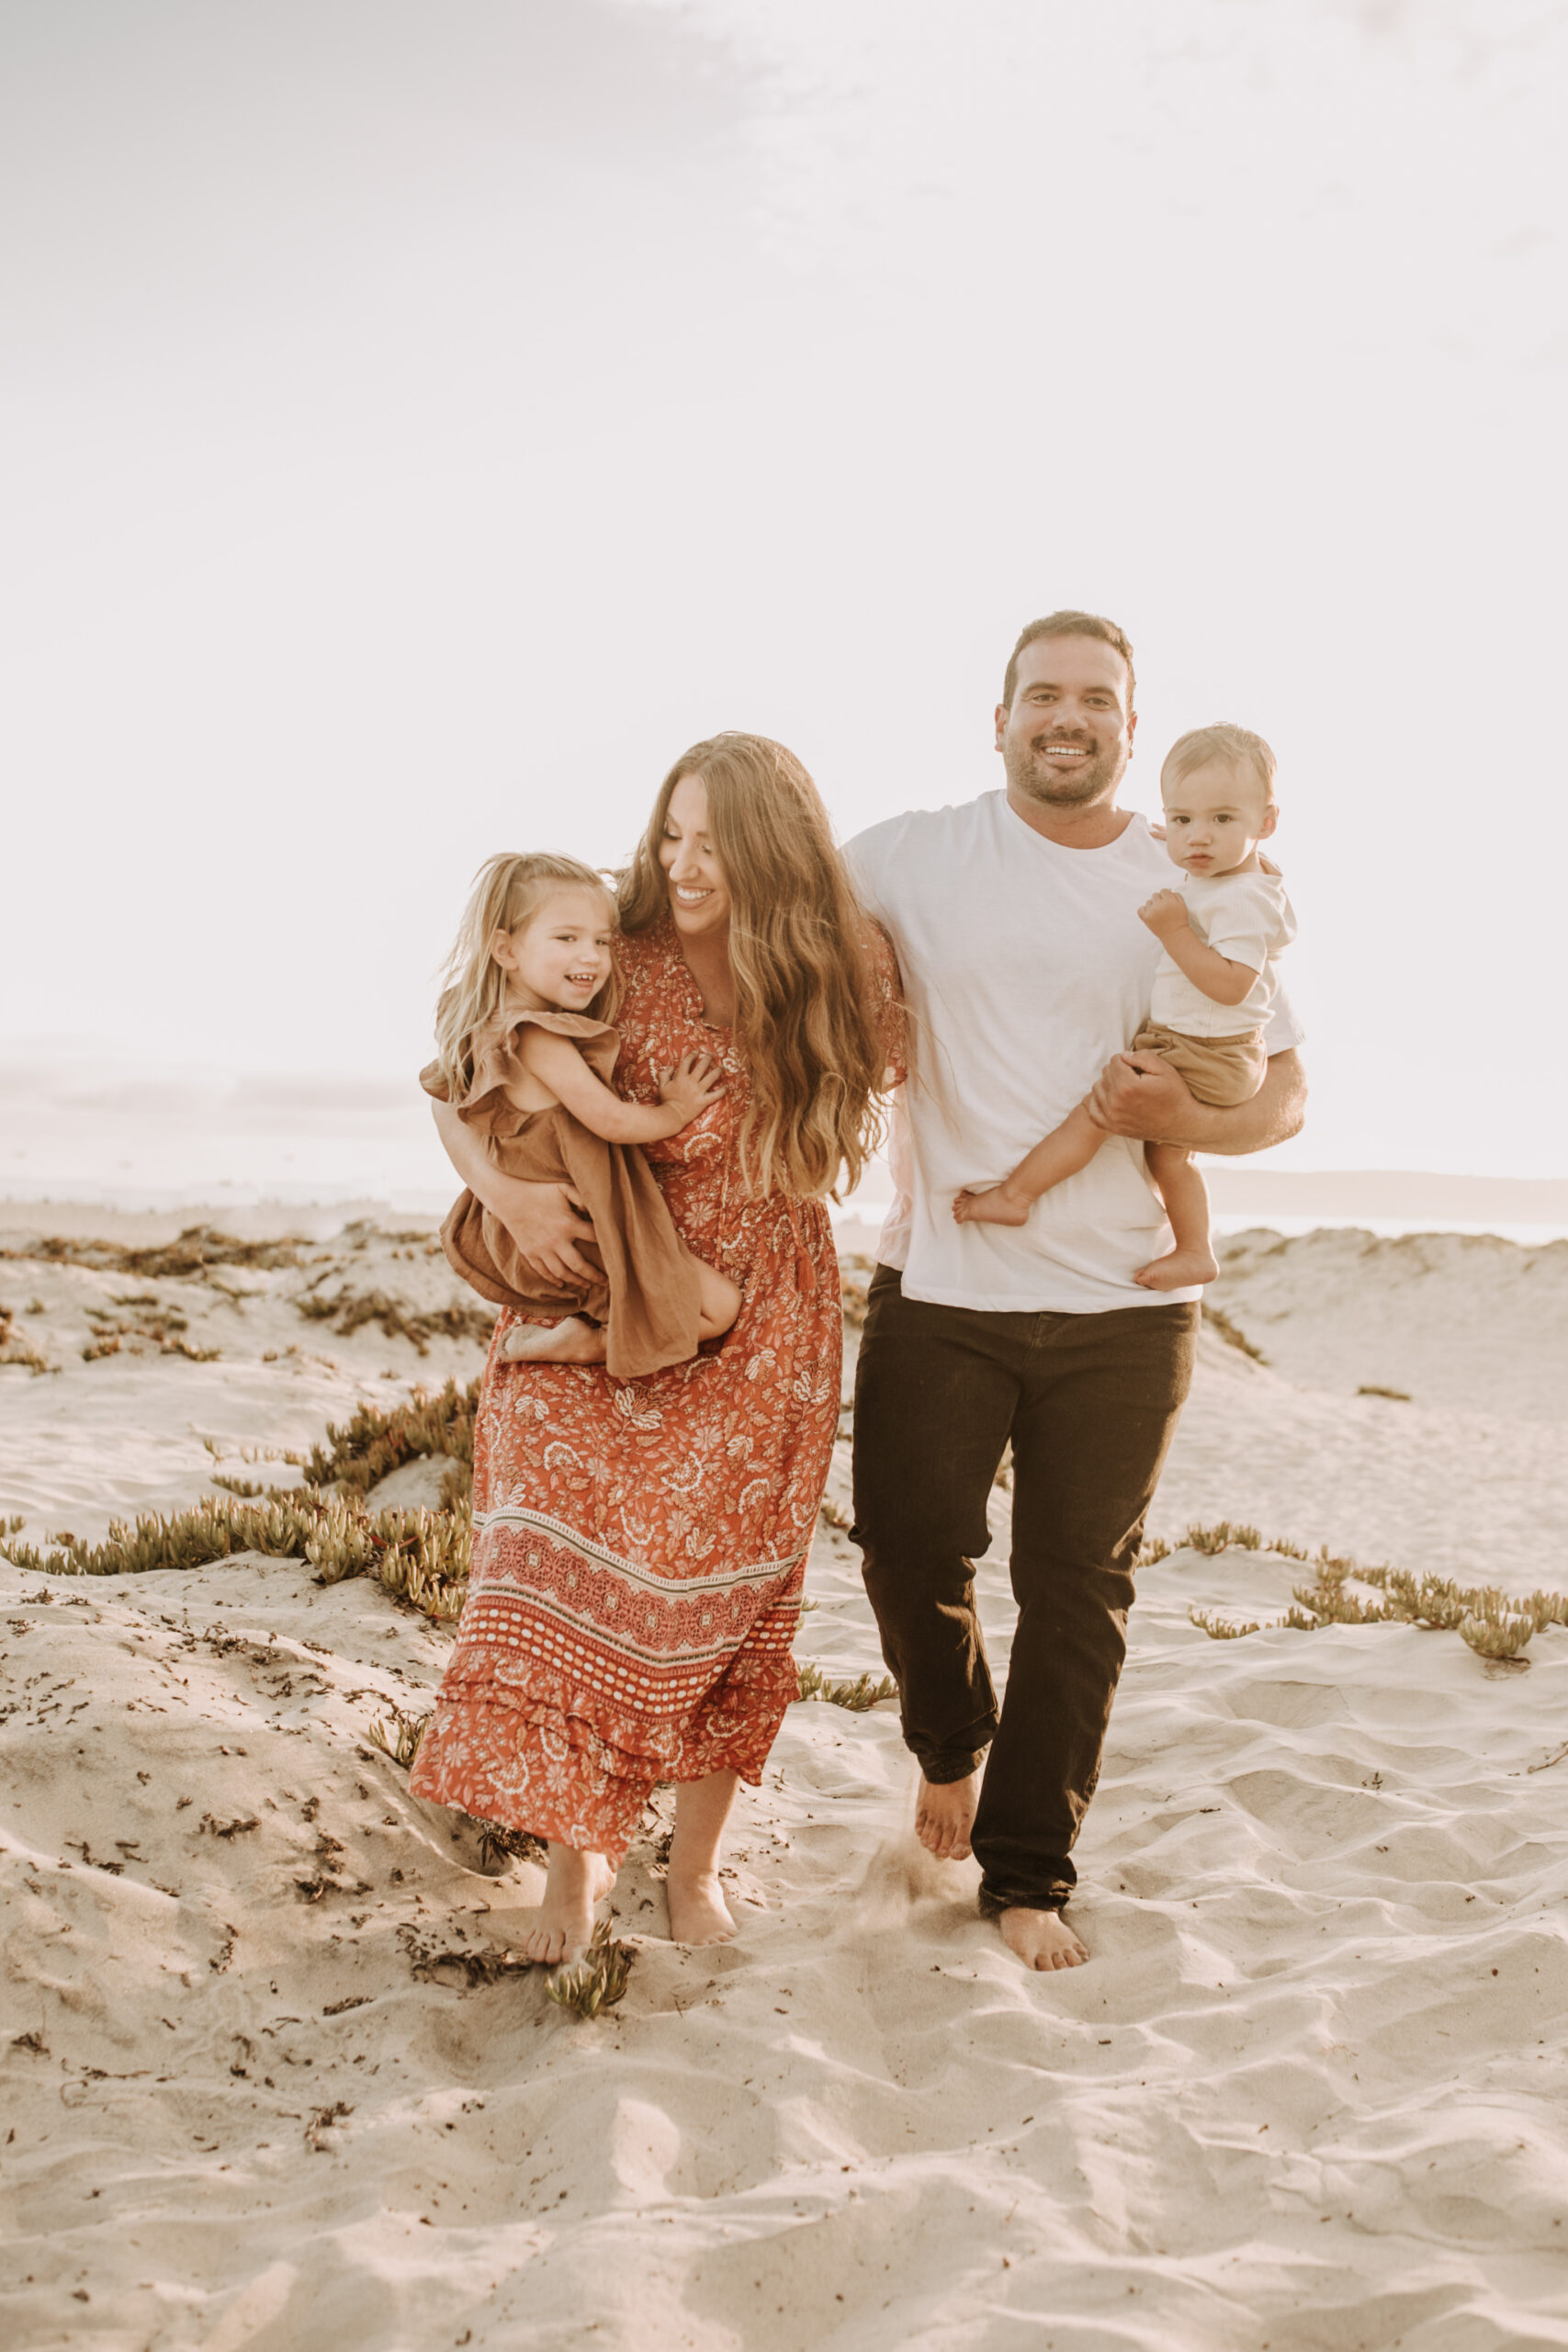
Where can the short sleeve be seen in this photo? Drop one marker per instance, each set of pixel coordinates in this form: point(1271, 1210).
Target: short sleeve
point(486, 1104)
point(892, 1020)
point(1252, 922)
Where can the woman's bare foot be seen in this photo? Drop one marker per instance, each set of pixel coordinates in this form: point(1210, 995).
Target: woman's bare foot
point(1179, 1269)
point(1041, 1938)
point(995, 1206)
point(563, 1924)
point(945, 1814)
point(698, 1912)
point(574, 1341)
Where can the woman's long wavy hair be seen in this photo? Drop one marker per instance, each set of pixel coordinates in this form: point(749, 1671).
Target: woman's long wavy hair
point(508, 891)
point(805, 990)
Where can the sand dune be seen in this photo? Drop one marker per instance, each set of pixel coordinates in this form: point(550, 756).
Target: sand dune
point(1309, 2094)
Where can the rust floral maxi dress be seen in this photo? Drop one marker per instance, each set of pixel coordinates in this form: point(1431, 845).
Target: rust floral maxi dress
point(639, 1546)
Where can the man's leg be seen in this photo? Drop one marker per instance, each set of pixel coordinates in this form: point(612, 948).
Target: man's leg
point(1099, 1407)
point(934, 1399)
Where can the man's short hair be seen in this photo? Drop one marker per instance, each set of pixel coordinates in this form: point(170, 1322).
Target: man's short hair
point(1070, 625)
point(1223, 740)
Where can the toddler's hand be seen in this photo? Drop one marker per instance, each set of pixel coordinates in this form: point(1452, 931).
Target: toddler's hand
point(691, 1086)
point(1165, 913)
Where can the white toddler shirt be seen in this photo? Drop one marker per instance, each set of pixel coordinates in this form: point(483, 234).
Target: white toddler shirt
point(1025, 968)
point(1244, 916)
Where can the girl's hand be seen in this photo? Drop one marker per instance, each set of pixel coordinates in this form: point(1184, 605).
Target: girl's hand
point(691, 1086)
point(1165, 913)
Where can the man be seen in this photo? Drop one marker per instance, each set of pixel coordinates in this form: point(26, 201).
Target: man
point(1027, 971)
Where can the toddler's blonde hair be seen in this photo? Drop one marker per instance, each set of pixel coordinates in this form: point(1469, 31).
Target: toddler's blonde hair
point(1223, 740)
point(508, 892)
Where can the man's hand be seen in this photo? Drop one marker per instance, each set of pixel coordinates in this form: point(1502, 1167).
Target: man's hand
point(1139, 1094)
point(548, 1222)
point(1165, 913)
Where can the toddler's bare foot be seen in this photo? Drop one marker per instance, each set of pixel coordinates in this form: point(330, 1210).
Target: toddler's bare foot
point(574, 1341)
point(698, 1912)
point(1041, 1938)
point(1179, 1269)
point(994, 1205)
point(563, 1924)
point(945, 1814)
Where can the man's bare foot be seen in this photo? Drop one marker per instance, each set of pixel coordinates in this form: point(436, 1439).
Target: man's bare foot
point(574, 1341)
point(563, 1924)
point(1179, 1269)
point(995, 1206)
point(1041, 1938)
point(945, 1814)
point(698, 1912)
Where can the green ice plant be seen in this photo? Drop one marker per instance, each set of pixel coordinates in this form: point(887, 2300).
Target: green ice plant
point(1495, 1625)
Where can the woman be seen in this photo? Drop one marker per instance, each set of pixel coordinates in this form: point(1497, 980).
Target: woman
point(639, 1546)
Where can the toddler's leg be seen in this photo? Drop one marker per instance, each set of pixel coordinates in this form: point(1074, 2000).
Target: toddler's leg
point(719, 1302)
point(574, 1341)
point(1186, 1198)
point(1065, 1151)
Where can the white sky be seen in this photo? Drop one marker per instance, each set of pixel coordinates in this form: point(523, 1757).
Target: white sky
point(422, 421)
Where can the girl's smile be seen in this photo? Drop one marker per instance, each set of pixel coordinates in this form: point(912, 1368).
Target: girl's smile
point(561, 955)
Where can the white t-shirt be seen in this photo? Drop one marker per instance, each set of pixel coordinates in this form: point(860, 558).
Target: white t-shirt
point(1025, 968)
point(1244, 916)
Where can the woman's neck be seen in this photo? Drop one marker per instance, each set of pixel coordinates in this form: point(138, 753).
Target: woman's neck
point(706, 959)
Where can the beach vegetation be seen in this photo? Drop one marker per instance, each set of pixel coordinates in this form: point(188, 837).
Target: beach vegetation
point(16, 1349)
point(595, 1981)
point(858, 1696)
point(1220, 1323)
point(1495, 1625)
point(348, 1311)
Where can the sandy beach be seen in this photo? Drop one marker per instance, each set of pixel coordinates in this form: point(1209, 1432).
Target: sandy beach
point(267, 2084)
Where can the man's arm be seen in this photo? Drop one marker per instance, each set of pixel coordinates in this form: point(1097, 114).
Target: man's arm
point(1140, 1095)
point(541, 1219)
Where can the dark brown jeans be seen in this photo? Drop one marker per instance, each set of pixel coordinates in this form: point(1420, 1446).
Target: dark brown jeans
point(1091, 1403)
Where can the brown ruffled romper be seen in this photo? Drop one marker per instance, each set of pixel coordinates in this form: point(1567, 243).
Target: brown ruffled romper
point(648, 1297)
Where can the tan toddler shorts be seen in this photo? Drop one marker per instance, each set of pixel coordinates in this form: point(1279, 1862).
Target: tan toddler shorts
point(1221, 1070)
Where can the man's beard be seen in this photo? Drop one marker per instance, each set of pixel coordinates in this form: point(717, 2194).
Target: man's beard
point(1032, 775)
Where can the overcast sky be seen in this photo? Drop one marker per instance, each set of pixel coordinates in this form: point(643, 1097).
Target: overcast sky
point(423, 418)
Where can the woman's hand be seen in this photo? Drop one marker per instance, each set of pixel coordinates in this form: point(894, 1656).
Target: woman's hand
point(691, 1086)
point(546, 1222)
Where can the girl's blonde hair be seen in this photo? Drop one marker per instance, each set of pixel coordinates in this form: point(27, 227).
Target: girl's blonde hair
point(805, 988)
point(508, 892)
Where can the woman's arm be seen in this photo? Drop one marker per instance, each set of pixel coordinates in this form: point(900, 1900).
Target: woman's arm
point(544, 1220)
point(1140, 1095)
point(683, 1091)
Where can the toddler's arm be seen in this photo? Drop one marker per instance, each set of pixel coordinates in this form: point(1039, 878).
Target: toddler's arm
point(556, 1062)
point(1219, 976)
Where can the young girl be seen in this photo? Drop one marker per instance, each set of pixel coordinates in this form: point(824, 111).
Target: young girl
point(524, 1054)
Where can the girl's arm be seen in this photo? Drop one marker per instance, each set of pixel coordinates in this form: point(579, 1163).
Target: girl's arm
point(1220, 978)
point(556, 1063)
point(544, 1220)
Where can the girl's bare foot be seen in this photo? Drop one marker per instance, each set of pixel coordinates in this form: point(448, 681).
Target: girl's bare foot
point(563, 1924)
point(698, 1912)
point(945, 1814)
point(574, 1341)
point(1041, 1938)
point(1179, 1269)
point(995, 1206)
